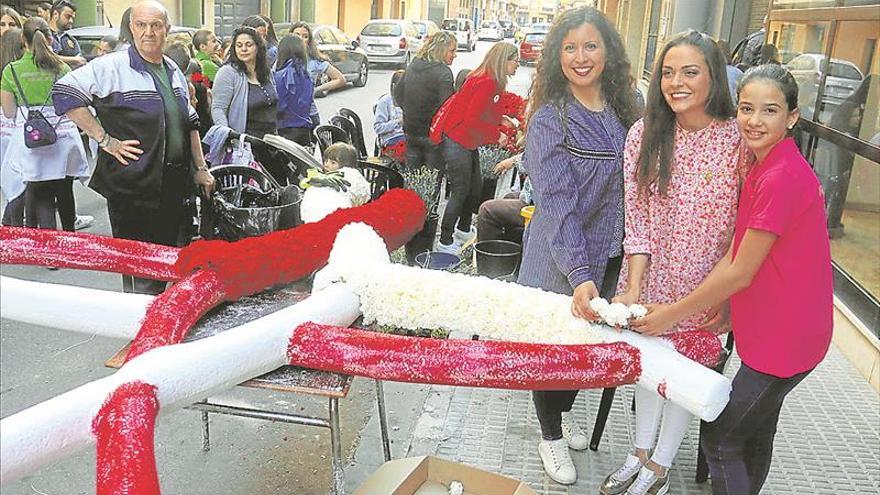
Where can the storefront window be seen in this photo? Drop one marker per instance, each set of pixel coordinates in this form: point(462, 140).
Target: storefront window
point(842, 93)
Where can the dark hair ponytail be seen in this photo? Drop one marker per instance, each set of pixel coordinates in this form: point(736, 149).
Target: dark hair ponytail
point(36, 35)
point(776, 74)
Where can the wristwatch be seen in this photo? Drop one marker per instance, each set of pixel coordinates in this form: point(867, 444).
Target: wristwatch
point(104, 140)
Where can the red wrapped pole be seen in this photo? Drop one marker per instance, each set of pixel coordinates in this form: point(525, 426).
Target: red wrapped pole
point(124, 428)
point(60, 249)
point(507, 365)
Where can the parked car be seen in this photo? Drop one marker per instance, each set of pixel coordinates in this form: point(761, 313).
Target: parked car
point(539, 27)
point(491, 30)
point(426, 28)
point(390, 41)
point(463, 31)
point(509, 28)
point(343, 52)
point(89, 37)
point(843, 79)
point(530, 48)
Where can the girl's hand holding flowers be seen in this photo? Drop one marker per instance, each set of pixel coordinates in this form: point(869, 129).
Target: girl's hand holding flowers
point(658, 321)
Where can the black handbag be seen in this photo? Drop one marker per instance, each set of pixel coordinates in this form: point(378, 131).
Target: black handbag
point(38, 132)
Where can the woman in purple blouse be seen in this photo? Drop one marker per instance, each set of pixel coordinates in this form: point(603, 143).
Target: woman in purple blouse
point(582, 104)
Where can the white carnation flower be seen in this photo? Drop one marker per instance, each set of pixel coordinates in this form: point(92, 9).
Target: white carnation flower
point(318, 202)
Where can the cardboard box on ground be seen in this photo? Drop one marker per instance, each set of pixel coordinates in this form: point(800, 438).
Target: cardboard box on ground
point(428, 475)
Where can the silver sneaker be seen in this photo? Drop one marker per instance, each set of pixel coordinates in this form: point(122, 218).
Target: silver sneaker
point(648, 483)
point(617, 482)
point(572, 432)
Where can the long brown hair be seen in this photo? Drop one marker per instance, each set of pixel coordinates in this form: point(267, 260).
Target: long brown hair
point(618, 86)
point(11, 46)
point(655, 154)
point(311, 45)
point(494, 64)
point(36, 34)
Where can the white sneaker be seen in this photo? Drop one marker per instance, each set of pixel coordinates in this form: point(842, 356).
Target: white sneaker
point(453, 248)
point(572, 432)
point(463, 237)
point(648, 483)
point(83, 222)
point(557, 461)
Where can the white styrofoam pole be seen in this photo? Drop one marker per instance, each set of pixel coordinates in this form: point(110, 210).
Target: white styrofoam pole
point(77, 309)
point(183, 374)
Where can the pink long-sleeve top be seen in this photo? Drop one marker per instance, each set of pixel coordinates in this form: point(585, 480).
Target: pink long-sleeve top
point(689, 229)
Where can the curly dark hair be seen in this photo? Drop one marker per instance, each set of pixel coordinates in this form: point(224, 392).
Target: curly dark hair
point(264, 73)
point(618, 86)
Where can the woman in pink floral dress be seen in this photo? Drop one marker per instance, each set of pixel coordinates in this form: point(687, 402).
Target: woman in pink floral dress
point(680, 193)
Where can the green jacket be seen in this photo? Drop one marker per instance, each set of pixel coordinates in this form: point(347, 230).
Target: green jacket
point(209, 68)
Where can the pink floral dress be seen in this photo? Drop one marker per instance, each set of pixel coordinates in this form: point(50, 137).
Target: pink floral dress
point(689, 229)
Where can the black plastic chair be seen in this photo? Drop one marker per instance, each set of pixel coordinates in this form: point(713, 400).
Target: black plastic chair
point(380, 177)
point(350, 130)
point(358, 138)
point(608, 399)
point(328, 134)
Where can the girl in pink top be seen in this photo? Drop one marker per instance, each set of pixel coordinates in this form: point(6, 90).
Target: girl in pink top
point(777, 275)
point(680, 192)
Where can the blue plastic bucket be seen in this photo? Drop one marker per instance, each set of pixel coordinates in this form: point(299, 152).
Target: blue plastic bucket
point(434, 260)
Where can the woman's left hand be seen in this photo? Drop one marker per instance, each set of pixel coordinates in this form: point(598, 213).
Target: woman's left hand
point(658, 321)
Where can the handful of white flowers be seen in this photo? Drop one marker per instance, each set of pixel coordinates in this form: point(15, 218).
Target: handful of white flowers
point(617, 314)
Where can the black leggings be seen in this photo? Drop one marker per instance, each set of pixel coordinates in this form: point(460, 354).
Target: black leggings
point(41, 199)
point(13, 214)
point(549, 404)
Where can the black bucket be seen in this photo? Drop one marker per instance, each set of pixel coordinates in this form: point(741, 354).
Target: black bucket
point(423, 241)
point(497, 258)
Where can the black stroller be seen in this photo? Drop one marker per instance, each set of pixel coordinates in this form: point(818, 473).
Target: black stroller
point(251, 201)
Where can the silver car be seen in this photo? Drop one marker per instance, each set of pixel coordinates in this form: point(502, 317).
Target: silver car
point(843, 78)
point(390, 41)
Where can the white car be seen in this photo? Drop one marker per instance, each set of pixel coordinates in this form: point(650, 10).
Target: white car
point(390, 41)
point(491, 30)
point(463, 31)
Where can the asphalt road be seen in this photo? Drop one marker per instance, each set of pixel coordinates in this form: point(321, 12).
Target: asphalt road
point(248, 456)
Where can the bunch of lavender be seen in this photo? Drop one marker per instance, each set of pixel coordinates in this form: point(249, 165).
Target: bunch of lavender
point(422, 181)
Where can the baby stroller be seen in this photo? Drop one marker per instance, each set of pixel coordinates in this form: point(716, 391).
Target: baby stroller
point(255, 200)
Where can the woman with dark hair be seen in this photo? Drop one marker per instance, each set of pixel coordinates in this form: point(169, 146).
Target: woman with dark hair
point(11, 49)
point(582, 102)
point(324, 76)
point(470, 118)
point(680, 189)
point(125, 35)
point(263, 26)
point(295, 91)
point(48, 170)
point(389, 123)
point(777, 276)
point(244, 91)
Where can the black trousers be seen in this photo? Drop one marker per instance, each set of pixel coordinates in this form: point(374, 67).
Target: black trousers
point(13, 214)
point(164, 225)
point(739, 444)
point(43, 198)
point(465, 182)
point(420, 151)
point(299, 135)
point(550, 404)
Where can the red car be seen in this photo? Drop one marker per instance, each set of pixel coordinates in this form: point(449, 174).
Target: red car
point(530, 47)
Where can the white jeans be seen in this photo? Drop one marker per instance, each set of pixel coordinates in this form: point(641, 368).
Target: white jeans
point(650, 408)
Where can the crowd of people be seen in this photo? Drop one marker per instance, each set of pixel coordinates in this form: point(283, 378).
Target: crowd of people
point(694, 200)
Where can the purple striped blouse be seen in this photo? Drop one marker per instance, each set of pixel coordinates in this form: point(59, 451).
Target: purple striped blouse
point(577, 174)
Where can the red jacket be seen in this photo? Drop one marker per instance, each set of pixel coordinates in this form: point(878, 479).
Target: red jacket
point(471, 116)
